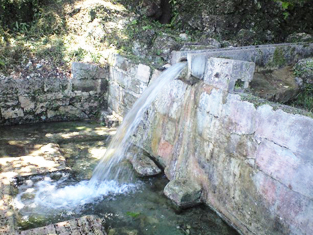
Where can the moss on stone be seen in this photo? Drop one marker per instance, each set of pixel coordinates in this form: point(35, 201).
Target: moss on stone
point(279, 59)
point(257, 102)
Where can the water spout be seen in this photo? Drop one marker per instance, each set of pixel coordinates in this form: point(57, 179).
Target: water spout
point(108, 168)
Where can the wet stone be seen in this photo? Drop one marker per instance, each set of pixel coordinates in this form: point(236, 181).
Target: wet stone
point(183, 193)
point(141, 162)
point(89, 224)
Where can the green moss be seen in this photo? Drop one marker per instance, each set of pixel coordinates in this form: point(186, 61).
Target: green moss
point(279, 58)
point(257, 102)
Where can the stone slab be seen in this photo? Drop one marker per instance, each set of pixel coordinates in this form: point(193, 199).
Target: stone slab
point(224, 73)
point(89, 224)
point(264, 56)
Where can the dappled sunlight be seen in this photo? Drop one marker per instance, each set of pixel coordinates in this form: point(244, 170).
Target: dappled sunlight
point(84, 132)
point(97, 152)
point(48, 151)
point(107, 4)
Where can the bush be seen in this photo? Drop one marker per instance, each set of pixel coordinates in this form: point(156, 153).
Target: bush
point(13, 12)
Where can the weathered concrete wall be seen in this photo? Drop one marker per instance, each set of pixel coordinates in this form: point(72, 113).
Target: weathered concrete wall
point(39, 99)
point(266, 57)
point(253, 163)
point(126, 82)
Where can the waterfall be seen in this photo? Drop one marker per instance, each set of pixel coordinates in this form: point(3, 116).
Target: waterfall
point(110, 177)
point(108, 168)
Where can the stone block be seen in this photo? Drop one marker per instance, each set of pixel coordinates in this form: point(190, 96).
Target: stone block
point(224, 73)
point(284, 166)
point(156, 73)
point(141, 162)
point(292, 131)
point(86, 85)
point(240, 115)
point(170, 101)
point(169, 131)
point(12, 113)
point(183, 193)
point(264, 56)
point(84, 71)
point(56, 84)
point(26, 103)
point(143, 73)
point(129, 99)
point(137, 86)
point(120, 77)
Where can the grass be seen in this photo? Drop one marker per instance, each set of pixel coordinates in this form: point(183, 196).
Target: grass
point(304, 99)
point(84, 30)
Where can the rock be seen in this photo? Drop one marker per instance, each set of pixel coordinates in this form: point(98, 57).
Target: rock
point(184, 36)
point(183, 193)
point(299, 37)
point(303, 70)
point(278, 86)
point(151, 9)
point(82, 225)
point(246, 36)
point(163, 45)
point(210, 42)
point(109, 120)
point(140, 49)
point(141, 162)
point(26, 103)
point(83, 71)
point(204, 44)
point(12, 113)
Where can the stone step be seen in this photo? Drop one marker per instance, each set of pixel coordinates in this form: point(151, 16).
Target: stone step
point(88, 224)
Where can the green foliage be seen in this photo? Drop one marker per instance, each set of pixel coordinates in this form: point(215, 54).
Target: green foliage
point(288, 5)
point(305, 98)
point(133, 214)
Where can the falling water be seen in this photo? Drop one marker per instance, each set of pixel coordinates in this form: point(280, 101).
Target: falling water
point(108, 167)
point(108, 176)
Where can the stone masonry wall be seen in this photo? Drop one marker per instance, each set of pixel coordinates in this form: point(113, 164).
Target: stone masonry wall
point(254, 163)
point(126, 82)
point(39, 99)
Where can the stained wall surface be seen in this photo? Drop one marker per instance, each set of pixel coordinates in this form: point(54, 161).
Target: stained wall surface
point(254, 162)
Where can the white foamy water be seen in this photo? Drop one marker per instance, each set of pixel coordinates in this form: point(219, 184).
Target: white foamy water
point(48, 194)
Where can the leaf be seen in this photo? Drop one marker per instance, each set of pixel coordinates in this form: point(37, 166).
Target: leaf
point(133, 214)
point(285, 5)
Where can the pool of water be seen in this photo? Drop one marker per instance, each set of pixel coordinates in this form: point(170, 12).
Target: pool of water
point(136, 207)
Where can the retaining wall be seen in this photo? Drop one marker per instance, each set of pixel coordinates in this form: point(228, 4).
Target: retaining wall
point(37, 99)
point(253, 162)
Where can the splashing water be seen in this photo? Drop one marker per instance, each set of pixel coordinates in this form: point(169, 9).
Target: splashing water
point(47, 193)
point(108, 167)
point(106, 180)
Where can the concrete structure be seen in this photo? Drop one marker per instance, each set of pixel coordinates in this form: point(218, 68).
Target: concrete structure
point(253, 161)
point(248, 159)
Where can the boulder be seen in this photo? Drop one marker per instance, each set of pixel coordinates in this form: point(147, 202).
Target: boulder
point(183, 193)
point(164, 44)
point(141, 162)
point(246, 36)
point(299, 37)
point(303, 70)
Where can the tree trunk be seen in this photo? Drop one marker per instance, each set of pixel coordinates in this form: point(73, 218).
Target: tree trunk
point(166, 12)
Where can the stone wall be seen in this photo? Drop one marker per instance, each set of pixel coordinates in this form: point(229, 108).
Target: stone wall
point(38, 99)
point(265, 57)
point(127, 81)
point(253, 162)
point(90, 90)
